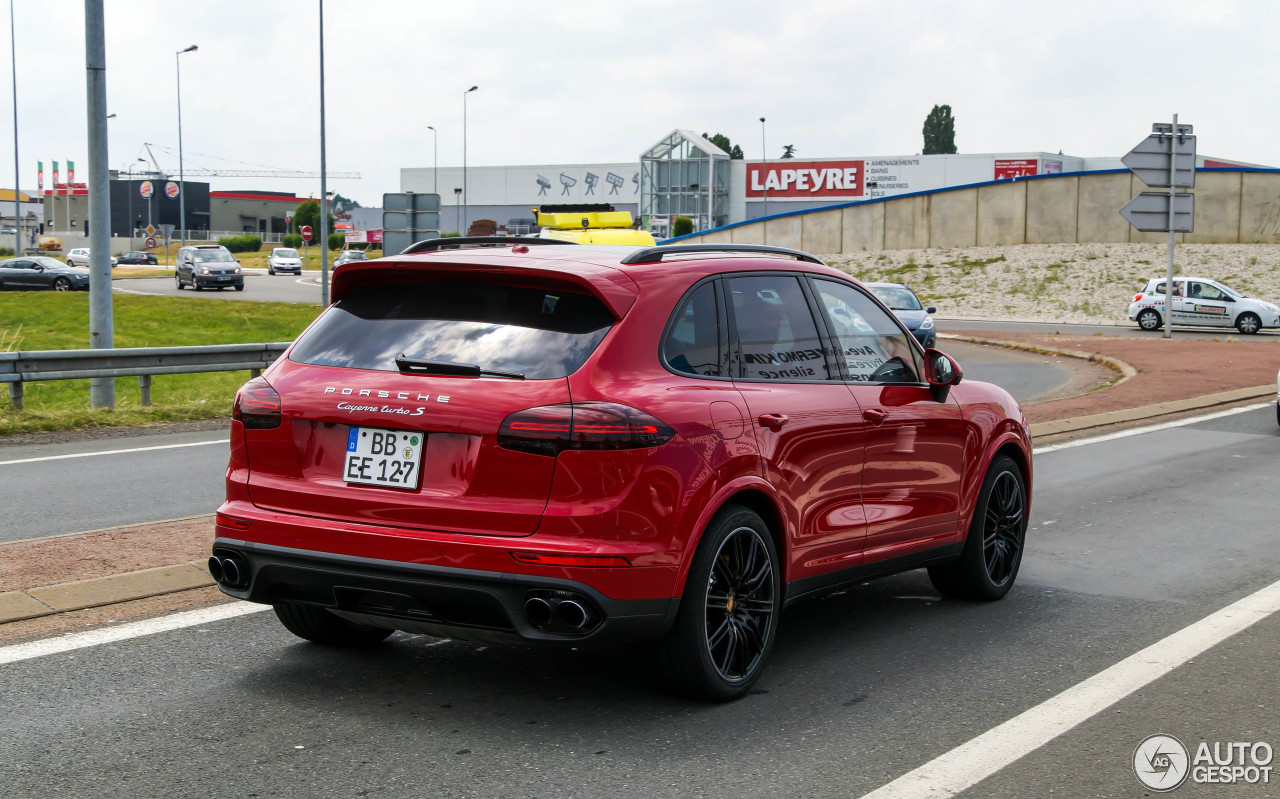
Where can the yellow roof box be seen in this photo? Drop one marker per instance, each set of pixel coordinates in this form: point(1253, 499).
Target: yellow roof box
point(640, 238)
point(585, 220)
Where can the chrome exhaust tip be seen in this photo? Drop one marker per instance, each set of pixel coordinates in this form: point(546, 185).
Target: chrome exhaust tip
point(538, 611)
point(571, 614)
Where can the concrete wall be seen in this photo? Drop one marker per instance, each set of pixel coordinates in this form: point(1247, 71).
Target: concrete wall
point(1231, 206)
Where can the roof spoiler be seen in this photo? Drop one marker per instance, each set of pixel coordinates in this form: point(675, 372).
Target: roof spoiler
point(432, 245)
point(653, 255)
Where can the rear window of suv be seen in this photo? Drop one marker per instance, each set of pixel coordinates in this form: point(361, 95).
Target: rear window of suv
point(539, 333)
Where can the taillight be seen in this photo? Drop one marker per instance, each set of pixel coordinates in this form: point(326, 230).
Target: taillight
point(257, 405)
point(551, 429)
point(1138, 297)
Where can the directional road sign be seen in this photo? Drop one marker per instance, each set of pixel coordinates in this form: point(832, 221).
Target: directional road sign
point(1149, 212)
point(1151, 158)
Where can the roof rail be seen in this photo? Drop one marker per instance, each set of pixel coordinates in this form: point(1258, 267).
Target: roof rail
point(653, 255)
point(431, 245)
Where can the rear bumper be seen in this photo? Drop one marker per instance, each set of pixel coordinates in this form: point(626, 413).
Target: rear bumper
point(437, 600)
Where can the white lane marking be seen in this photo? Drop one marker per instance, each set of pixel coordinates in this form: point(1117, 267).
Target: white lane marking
point(123, 632)
point(979, 758)
point(114, 452)
point(1137, 431)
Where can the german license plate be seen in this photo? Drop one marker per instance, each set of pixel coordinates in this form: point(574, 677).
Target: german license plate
point(388, 458)
point(224, 278)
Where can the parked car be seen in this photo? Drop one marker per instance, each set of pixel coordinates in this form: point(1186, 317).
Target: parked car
point(207, 266)
point(42, 272)
point(139, 257)
point(80, 257)
point(586, 444)
point(350, 256)
point(906, 305)
point(1201, 302)
point(284, 259)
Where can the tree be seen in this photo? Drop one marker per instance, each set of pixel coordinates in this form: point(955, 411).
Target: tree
point(345, 202)
point(940, 131)
point(722, 141)
point(788, 151)
point(308, 213)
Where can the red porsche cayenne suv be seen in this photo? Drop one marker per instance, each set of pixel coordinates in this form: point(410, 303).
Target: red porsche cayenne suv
point(543, 441)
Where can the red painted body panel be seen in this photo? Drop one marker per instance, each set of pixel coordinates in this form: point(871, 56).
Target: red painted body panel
point(843, 490)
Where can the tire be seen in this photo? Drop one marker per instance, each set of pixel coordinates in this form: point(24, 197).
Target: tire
point(177, 280)
point(240, 287)
point(322, 627)
point(62, 284)
point(722, 636)
point(1150, 319)
point(271, 271)
point(988, 564)
point(1248, 323)
point(195, 284)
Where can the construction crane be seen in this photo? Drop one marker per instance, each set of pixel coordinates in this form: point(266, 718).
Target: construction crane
point(245, 173)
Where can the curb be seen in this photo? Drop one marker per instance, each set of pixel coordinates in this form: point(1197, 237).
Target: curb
point(81, 594)
point(1079, 423)
point(1115, 364)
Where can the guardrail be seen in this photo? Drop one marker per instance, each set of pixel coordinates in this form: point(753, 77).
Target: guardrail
point(17, 368)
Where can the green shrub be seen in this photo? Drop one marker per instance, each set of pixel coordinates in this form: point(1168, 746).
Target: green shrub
point(681, 226)
point(293, 240)
point(449, 235)
point(336, 240)
point(245, 243)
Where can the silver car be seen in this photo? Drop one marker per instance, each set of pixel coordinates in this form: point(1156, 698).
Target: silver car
point(284, 259)
point(80, 257)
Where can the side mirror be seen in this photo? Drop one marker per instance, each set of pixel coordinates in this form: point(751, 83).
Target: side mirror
point(931, 309)
point(942, 372)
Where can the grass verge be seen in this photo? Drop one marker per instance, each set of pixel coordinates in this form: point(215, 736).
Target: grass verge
point(55, 320)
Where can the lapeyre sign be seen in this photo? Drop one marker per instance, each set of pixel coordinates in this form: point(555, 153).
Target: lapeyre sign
point(789, 178)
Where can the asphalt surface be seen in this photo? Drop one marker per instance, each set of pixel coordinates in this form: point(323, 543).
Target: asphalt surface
point(55, 494)
point(104, 490)
point(1119, 329)
point(257, 287)
point(1132, 540)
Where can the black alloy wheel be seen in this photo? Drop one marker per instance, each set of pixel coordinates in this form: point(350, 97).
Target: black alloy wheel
point(739, 604)
point(988, 563)
point(1004, 528)
point(728, 616)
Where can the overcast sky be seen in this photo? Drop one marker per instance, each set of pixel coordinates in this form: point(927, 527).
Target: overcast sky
point(560, 84)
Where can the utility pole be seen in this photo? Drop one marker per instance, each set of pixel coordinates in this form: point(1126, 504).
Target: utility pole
point(324, 184)
point(463, 227)
point(102, 390)
point(17, 204)
point(764, 168)
point(182, 182)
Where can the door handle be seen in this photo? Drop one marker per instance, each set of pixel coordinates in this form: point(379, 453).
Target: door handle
point(875, 416)
point(773, 421)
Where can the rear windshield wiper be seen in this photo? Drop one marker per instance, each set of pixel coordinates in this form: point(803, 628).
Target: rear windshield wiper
point(411, 365)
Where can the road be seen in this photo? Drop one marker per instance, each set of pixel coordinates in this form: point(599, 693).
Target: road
point(259, 287)
point(109, 482)
point(1133, 539)
point(1118, 329)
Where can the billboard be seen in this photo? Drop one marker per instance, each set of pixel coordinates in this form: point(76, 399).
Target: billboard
point(816, 179)
point(531, 186)
point(1006, 168)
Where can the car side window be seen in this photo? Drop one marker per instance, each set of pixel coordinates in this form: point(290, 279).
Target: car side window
point(1205, 291)
point(692, 345)
point(872, 346)
point(777, 336)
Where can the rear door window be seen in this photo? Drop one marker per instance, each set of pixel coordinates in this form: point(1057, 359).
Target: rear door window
point(539, 333)
point(777, 337)
point(692, 345)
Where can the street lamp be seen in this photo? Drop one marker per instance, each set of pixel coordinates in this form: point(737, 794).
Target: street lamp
point(17, 174)
point(182, 183)
point(129, 202)
point(464, 159)
point(764, 168)
point(435, 160)
point(457, 210)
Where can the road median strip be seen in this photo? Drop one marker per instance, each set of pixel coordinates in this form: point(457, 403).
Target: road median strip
point(81, 594)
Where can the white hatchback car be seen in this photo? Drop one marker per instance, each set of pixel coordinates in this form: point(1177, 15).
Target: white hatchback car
point(1202, 302)
point(80, 257)
point(284, 259)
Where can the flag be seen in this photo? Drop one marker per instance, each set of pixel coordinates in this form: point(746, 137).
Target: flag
point(55, 178)
point(40, 178)
point(71, 175)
